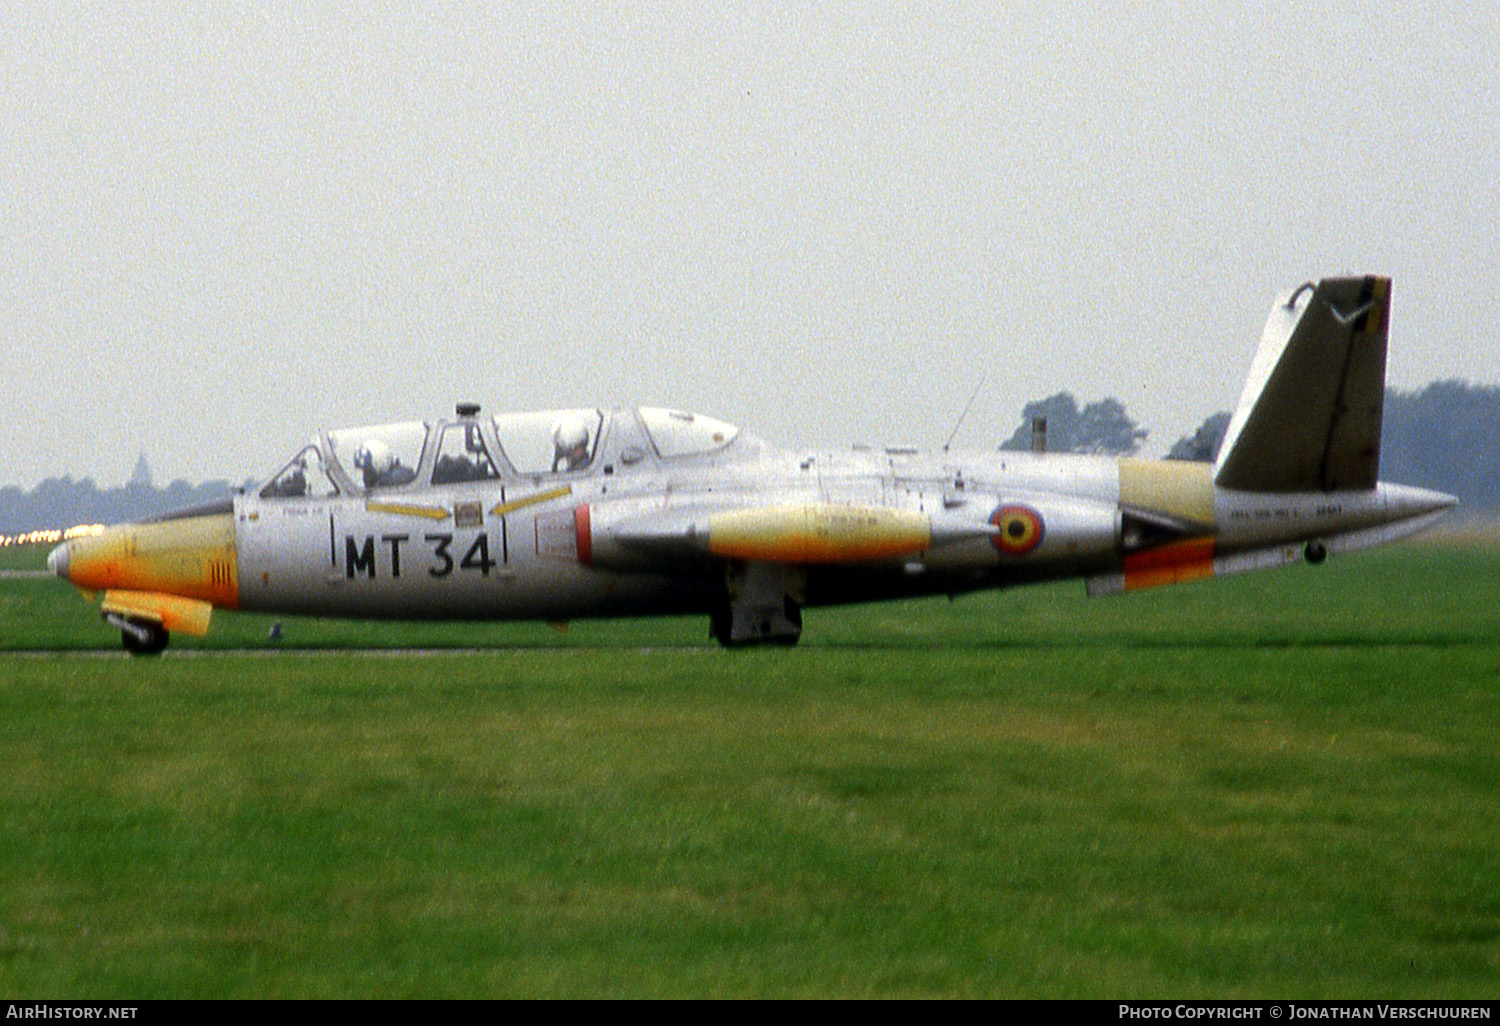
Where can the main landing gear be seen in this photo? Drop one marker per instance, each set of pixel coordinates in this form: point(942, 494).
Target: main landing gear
point(739, 628)
point(761, 605)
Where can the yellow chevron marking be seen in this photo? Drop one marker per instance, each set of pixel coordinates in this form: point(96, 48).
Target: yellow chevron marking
point(407, 510)
point(531, 500)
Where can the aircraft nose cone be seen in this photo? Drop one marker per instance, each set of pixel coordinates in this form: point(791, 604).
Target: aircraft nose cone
point(57, 561)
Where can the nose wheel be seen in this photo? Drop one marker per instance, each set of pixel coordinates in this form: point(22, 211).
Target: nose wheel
point(140, 637)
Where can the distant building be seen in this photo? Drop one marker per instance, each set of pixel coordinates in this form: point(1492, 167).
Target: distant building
point(140, 477)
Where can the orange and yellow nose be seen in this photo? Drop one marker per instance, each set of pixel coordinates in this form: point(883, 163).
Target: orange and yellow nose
point(192, 557)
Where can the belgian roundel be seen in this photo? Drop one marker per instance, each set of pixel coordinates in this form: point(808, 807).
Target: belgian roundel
point(1021, 529)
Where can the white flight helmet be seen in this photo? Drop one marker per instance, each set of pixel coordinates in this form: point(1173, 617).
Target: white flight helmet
point(570, 442)
point(570, 434)
point(374, 457)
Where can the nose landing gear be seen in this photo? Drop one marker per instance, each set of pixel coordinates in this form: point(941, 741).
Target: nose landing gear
point(140, 637)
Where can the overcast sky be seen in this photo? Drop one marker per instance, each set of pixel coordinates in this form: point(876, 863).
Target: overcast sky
point(226, 226)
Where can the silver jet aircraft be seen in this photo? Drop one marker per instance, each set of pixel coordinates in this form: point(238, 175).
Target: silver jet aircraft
point(629, 512)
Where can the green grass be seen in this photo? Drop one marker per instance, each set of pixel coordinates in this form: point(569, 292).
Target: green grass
point(1283, 784)
point(24, 557)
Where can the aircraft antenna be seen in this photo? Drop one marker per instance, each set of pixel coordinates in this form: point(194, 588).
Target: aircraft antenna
point(972, 396)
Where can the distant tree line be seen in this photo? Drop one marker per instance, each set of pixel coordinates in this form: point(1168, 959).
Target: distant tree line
point(63, 502)
point(1445, 436)
point(1101, 428)
point(1202, 445)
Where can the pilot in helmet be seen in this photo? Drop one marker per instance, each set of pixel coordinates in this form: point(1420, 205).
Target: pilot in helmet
point(374, 460)
point(570, 443)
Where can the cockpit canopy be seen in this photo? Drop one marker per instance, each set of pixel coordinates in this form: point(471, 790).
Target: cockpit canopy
point(303, 478)
point(380, 457)
point(471, 449)
point(675, 433)
point(549, 442)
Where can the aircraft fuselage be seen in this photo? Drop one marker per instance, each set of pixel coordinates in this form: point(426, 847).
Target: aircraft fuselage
point(640, 511)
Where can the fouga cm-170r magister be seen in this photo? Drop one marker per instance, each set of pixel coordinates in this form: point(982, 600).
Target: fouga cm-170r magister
point(629, 512)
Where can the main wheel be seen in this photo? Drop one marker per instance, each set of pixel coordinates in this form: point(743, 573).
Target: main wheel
point(153, 644)
point(720, 620)
point(794, 615)
point(721, 627)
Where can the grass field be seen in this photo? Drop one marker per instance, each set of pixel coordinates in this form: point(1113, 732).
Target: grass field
point(1284, 784)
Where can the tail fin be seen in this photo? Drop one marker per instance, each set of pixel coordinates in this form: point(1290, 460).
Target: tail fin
point(1309, 417)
